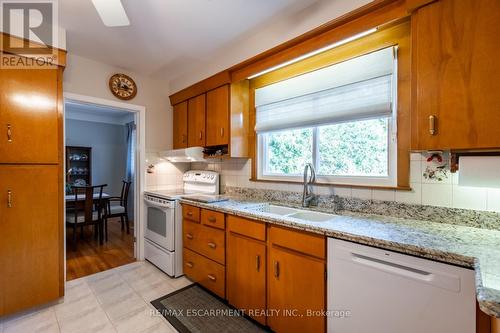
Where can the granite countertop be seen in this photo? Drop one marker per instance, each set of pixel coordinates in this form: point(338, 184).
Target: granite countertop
point(460, 245)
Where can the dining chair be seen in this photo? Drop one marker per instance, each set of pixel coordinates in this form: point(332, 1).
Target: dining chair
point(119, 208)
point(87, 209)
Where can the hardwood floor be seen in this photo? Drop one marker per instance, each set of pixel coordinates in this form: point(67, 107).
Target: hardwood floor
point(90, 257)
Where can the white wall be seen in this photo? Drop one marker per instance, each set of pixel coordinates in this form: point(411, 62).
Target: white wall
point(263, 38)
point(109, 150)
point(88, 77)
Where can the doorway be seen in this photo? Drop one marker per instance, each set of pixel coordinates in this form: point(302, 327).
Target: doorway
point(104, 141)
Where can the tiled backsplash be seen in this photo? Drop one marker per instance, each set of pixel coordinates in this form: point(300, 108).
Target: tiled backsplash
point(166, 176)
point(428, 186)
point(441, 190)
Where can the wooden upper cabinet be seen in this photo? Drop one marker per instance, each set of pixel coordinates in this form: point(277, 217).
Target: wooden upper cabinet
point(180, 125)
point(30, 250)
point(29, 116)
point(455, 65)
point(218, 116)
point(196, 121)
point(246, 275)
point(296, 284)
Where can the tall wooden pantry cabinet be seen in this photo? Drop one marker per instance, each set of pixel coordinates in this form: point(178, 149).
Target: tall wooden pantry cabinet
point(31, 184)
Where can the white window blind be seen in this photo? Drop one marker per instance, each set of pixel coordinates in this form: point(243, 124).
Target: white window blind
point(354, 89)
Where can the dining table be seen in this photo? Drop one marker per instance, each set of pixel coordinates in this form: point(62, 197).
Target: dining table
point(80, 198)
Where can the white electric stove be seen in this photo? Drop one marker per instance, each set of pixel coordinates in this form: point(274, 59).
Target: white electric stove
point(163, 230)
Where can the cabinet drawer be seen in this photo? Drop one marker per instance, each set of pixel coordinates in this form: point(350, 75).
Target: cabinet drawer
point(213, 219)
point(204, 240)
point(191, 213)
point(246, 227)
point(206, 272)
point(307, 243)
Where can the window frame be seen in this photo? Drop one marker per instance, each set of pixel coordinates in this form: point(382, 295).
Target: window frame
point(390, 35)
point(387, 181)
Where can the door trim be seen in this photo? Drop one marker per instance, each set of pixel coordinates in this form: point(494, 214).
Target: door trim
point(140, 164)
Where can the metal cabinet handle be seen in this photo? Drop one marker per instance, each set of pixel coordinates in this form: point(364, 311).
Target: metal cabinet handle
point(189, 264)
point(189, 236)
point(211, 219)
point(432, 125)
point(9, 133)
point(212, 245)
point(276, 269)
point(222, 131)
point(189, 213)
point(211, 277)
point(201, 135)
point(183, 138)
point(257, 263)
point(9, 199)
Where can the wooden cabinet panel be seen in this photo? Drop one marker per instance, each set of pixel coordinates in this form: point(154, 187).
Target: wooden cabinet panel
point(180, 125)
point(196, 121)
point(206, 272)
point(207, 241)
point(218, 116)
point(29, 116)
point(246, 275)
point(213, 219)
point(305, 242)
point(245, 227)
point(296, 284)
point(191, 213)
point(31, 240)
point(455, 50)
point(495, 325)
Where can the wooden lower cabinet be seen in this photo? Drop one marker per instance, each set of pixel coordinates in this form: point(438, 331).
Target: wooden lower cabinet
point(204, 271)
point(275, 274)
point(295, 292)
point(31, 245)
point(246, 275)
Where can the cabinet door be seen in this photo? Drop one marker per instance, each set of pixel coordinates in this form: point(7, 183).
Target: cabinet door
point(218, 116)
point(30, 250)
point(246, 275)
point(180, 125)
point(456, 71)
point(196, 121)
point(29, 127)
point(296, 292)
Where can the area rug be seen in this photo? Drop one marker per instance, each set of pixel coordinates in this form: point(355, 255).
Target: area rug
point(194, 310)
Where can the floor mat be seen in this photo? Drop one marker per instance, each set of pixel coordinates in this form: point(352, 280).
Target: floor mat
point(194, 310)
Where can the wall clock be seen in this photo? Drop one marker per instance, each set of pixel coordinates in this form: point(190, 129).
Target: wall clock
point(122, 86)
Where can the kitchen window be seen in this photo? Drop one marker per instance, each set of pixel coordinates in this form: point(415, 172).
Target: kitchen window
point(341, 118)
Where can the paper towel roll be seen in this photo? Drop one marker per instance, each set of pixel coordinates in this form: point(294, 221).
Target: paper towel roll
point(479, 171)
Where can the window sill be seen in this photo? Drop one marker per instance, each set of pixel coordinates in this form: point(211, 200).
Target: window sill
point(399, 188)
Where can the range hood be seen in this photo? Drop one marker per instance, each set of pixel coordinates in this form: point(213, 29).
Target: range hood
point(192, 154)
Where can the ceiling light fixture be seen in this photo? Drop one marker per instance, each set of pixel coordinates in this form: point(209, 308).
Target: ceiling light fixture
point(313, 53)
point(111, 12)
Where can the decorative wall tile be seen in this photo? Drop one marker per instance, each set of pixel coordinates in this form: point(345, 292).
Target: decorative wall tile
point(436, 171)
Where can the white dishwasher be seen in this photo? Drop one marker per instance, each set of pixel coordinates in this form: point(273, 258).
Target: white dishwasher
point(379, 291)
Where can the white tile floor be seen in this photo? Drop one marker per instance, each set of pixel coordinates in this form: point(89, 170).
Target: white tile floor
point(112, 301)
